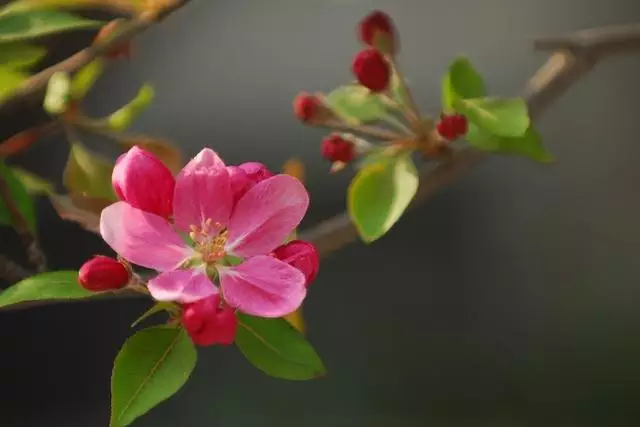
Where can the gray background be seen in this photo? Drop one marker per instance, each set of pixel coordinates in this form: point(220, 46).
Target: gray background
point(509, 299)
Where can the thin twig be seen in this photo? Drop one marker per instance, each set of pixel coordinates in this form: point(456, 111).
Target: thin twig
point(562, 69)
point(29, 240)
point(32, 90)
point(371, 131)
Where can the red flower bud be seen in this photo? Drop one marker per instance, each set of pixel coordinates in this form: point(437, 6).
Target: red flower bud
point(377, 25)
point(306, 107)
point(452, 126)
point(120, 50)
point(372, 70)
point(245, 176)
point(210, 322)
point(142, 180)
point(102, 273)
point(301, 255)
point(337, 149)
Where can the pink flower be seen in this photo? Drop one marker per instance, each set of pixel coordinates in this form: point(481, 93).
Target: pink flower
point(245, 176)
point(209, 321)
point(259, 285)
point(138, 166)
point(301, 255)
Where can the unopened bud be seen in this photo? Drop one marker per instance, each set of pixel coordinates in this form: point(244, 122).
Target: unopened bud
point(372, 70)
point(377, 30)
point(209, 321)
point(301, 255)
point(335, 148)
point(103, 273)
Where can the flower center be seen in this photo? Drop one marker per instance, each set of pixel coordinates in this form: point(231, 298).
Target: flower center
point(209, 240)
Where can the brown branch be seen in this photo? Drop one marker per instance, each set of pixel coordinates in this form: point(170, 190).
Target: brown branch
point(32, 90)
point(578, 55)
point(29, 240)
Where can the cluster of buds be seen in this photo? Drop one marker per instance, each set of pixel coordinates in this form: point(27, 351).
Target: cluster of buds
point(375, 68)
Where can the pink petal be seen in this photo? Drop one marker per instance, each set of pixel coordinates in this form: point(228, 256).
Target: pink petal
point(263, 286)
point(202, 192)
point(266, 215)
point(142, 237)
point(185, 286)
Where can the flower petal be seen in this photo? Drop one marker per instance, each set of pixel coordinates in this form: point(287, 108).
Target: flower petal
point(202, 192)
point(185, 286)
point(142, 237)
point(263, 286)
point(266, 215)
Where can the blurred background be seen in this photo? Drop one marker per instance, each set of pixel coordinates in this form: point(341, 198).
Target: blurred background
point(509, 299)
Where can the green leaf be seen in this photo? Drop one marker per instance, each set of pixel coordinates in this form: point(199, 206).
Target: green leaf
point(151, 367)
point(356, 104)
point(86, 77)
point(21, 6)
point(123, 118)
point(58, 92)
point(501, 117)
point(88, 173)
point(20, 196)
point(10, 80)
point(462, 81)
point(34, 184)
point(529, 145)
point(157, 308)
point(55, 285)
point(39, 23)
point(380, 193)
point(21, 55)
point(277, 348)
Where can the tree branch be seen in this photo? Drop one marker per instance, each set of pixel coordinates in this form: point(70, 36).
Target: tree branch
point(32, 90)
point(578, 54)
point(11, 271)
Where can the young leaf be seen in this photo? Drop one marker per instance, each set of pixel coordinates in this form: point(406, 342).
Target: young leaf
point(167, 152)
point(462, 81)
point(86, 77)
point(529, 145)
point(55, 285)
point(21, 198)
point(277, 349)
point(20, 141)
point(151, 367)
point(501, 117)
point(156, 308)
point(39, 23)
point(20, 55)
point(66, 207)
point(356, 104)
point(10, 79)
point(88, 174)
point(380, 193)
point(32, 182)
point(21, 6)
point(123, 118)
point(58, 92)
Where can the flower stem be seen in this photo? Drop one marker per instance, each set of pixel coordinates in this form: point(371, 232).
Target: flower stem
point(411, 111)
point(372, 131)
